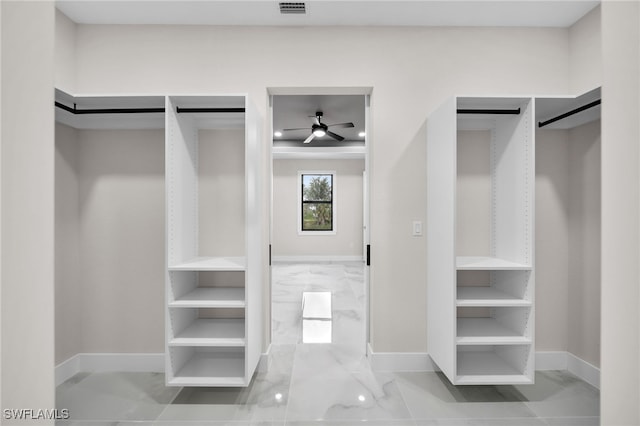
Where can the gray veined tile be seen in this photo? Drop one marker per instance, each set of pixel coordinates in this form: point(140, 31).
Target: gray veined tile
point(573, 421)
point(388, 422)
point(507, 421)
point(560, 394)
point(116, 396)
point(429, 395)
point(336, 394)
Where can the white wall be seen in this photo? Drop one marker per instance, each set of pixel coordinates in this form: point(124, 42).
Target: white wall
point(584, 242)
point(585, 53)
point(65, 53)
point(122, 239)
point(110, 226)
point(473, 203)
point(620, 214)
point(552, 239)
point(420, 68)
point(26, 193)
point(347, 242)
point(221, 199)
point(68, 282)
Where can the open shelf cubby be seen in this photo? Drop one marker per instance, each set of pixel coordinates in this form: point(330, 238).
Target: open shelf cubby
point(497, 288)
point(202, 366)
point(480, 264)
point(494, 365)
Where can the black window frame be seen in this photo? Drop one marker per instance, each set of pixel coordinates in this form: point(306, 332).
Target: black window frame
point(303, 202)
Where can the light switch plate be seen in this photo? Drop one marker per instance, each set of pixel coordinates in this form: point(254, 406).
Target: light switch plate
point(417, 228)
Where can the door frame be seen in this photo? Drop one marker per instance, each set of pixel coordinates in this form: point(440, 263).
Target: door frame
point(366, 195)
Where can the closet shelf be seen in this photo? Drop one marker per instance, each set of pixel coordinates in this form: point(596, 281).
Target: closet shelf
point(211, 369)
point(485, 263)
point(487, 297)
point(487, 368)
point(211, 297)
point(487, 331)
point(210, 264)
point(212, 332)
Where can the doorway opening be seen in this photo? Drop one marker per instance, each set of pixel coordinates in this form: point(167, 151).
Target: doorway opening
point(319, 233)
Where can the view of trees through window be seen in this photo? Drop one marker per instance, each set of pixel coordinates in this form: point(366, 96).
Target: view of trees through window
point(317, 202)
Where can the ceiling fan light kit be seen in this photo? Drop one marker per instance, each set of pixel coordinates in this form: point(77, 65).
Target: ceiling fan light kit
point(319, 129)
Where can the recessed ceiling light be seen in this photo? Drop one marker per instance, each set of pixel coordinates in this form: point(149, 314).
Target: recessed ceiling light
point(277, 134)
point(362, 134)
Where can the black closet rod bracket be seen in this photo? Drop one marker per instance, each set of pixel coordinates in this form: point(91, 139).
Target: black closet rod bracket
point(77, 111)
point(214, 110)
point(569, 113)
point(490, 111)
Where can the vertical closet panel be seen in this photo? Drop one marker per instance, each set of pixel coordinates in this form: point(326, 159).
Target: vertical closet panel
point(584, 242)
point(441, 235)
point(68, 286)
point(552, 239)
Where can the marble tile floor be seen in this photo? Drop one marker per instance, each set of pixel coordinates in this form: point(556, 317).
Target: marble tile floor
point(325, 384)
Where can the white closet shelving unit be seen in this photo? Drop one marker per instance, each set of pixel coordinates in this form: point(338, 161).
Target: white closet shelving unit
point(481, 304)
point(214, 302)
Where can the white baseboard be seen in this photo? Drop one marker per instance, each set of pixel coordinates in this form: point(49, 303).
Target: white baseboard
point(551, 360)
point(380, 361)
point(582, 369)
point(400, 361)
point(414, 361)
point(312, 259)
point(263, 363)
point(113, 362)
point(107, 362)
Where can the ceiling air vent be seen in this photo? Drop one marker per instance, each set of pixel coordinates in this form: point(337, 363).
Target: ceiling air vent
point(292, 7)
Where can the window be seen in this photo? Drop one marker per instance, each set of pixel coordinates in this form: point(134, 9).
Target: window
point(317, 207)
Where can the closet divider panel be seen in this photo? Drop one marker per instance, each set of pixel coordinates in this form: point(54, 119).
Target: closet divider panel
point(441, 207)
point(253, 234)
point(181, 164)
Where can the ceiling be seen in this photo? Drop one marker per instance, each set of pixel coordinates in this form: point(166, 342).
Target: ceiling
point(298, 111)
point(511, 13)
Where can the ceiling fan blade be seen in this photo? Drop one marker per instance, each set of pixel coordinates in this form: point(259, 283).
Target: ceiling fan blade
point(310, 138)
point(299, 128)
point(336, 137)
point(341, 125)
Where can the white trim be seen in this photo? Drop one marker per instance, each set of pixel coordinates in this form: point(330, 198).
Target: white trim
point(313, 259)
point(400, 361)
point(123, 362)
point(380, 361)
point(263, 362)
point(334, 202)
point(67, 369)
point(420, 361)
point(314, 153)
point(107, 362)
point(581, 368)
point(551, 360)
